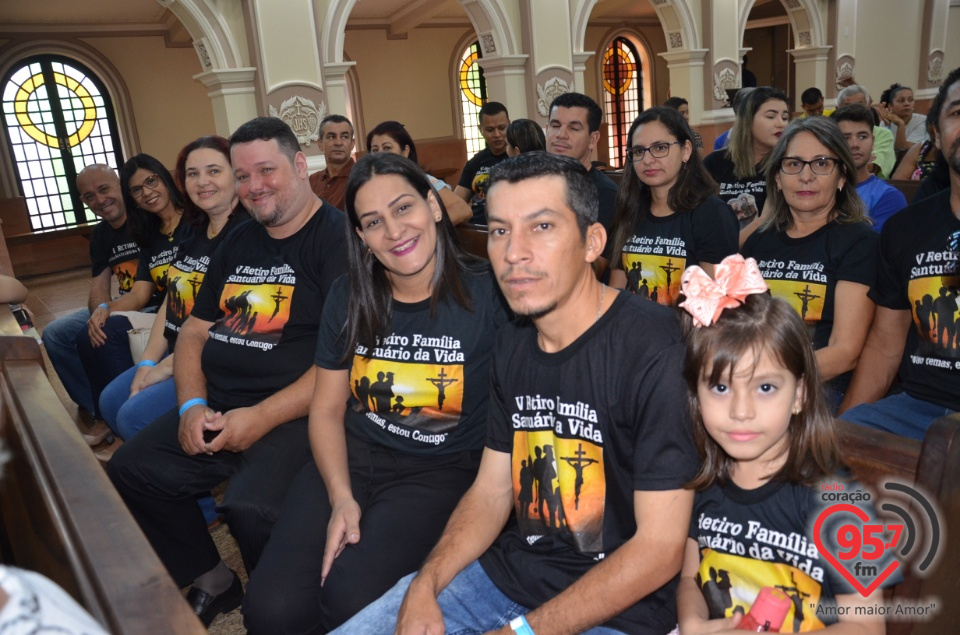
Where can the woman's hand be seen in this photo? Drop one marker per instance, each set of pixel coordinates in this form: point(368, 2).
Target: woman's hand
point(138, 379)
point(343, 529)
point(725, 625)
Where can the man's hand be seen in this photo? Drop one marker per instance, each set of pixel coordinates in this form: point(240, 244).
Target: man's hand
point(420, 614)
point(95, 326)
point(722, 626)
point(343, 529)
point(192, 424)
point(239, 429)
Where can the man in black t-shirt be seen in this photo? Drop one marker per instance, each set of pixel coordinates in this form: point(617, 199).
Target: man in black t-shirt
point(472, 186)
point(247, 347)
point(113, 254)
point(916, 292)
point(574, 131)
point(588, 415)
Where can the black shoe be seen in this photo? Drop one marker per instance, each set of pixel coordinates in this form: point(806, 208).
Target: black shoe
point(207, 607)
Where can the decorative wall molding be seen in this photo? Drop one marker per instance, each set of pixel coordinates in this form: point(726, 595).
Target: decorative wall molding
point(935, 67)
point(303, 116)
point(549, 91)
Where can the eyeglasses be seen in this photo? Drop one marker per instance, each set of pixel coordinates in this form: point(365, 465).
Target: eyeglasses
point(953, 244)
point(150, 183)
point(657, 151)
point(821, 166)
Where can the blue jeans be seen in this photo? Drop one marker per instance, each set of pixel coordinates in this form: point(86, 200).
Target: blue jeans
point(59, 338)
point(105, 363)
point(471, 605)
point(128, 415)
point(900, 414)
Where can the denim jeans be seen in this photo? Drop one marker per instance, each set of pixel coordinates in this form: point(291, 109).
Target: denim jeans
point(900, 414)
point(471, 605)
point(128, 415)
point(103, 364)
point(59, 338)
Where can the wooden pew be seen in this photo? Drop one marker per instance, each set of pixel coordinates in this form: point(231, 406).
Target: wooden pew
point(61, 516)
point(934, 466)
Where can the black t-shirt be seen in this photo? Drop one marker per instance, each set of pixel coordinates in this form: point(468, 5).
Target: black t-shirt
point(744, 196)
point(607, 193)
point(805, 271)
point(586, 427)
point(116, 249)
point(912, 277)
point(474, 178)
point(186, 274)
point(424, 389)
point(265, 297)
point(155, 259)
point(655, 256)
point(750, 539)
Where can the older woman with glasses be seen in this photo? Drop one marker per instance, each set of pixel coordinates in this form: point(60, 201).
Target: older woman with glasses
point(816, 249)
point(667, 215)
point(154, 208)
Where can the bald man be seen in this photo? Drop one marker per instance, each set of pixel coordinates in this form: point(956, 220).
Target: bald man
point(113, 253)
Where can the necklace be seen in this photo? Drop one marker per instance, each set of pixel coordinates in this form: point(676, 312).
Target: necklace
point(603, 292)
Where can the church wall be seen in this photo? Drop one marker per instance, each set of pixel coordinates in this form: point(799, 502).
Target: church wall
point(888, 45)
point(406, 80)
point(170, 107)
point(951, 57)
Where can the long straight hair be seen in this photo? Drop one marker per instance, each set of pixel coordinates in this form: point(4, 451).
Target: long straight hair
point(693, 185)
point(371, 295)
point(761, 324)
point(740, 149)
point(145, 226)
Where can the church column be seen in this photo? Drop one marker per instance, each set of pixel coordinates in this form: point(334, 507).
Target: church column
point(810, 66)
point(548, 39)
point(721, 38)
point(506, 78)
point(232, 95)
point(686, 78)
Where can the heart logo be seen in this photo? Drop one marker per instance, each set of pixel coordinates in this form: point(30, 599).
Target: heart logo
point(832, 559)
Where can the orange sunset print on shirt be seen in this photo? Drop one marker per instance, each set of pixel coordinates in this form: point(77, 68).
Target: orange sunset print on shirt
point(126, 274)
point(256, 312)
point(182, 287)
point(653, 277)
point(805, 297)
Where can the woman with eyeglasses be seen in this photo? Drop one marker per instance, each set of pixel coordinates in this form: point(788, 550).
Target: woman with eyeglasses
point(815, 247)
point(761, 117)
point(154, 208)
point(667, 216)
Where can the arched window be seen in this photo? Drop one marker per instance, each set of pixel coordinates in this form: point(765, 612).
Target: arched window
point(622, 95)
point(58, 118)
point(473, 94)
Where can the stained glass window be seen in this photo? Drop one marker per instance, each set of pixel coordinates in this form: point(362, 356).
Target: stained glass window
point(58, 118)
point(622, 95)
point(473, 94)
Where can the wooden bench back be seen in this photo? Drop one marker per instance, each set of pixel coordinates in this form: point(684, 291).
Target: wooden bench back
point(61, 516)
point(934, 466)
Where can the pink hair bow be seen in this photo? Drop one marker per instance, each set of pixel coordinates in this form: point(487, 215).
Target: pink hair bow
point(706, 297)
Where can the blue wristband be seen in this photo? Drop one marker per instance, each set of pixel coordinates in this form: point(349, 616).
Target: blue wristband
point(103, 305)
point(146, 362)
point(190, 403)
point(520, 626)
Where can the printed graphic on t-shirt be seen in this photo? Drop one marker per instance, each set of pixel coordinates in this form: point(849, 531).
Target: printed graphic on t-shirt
point(935, 305)
point(254, 314)
point(479, 187)
point(744, 206)
point(730, 584)
point(654, 277)
point(410, 385)
point(182, 287)
point(805, 297)
point(559, 483)
point(126, 273)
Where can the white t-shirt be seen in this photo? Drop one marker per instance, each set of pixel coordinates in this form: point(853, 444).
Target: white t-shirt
point(37, 605)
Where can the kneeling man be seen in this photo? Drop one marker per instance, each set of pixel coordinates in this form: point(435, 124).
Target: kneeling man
point(589, 441)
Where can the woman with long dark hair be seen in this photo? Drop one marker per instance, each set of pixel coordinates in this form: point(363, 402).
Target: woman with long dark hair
point(668, 216)
point(392, 136)
point(154, 210)
point(398, 417)
point(212, 209)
